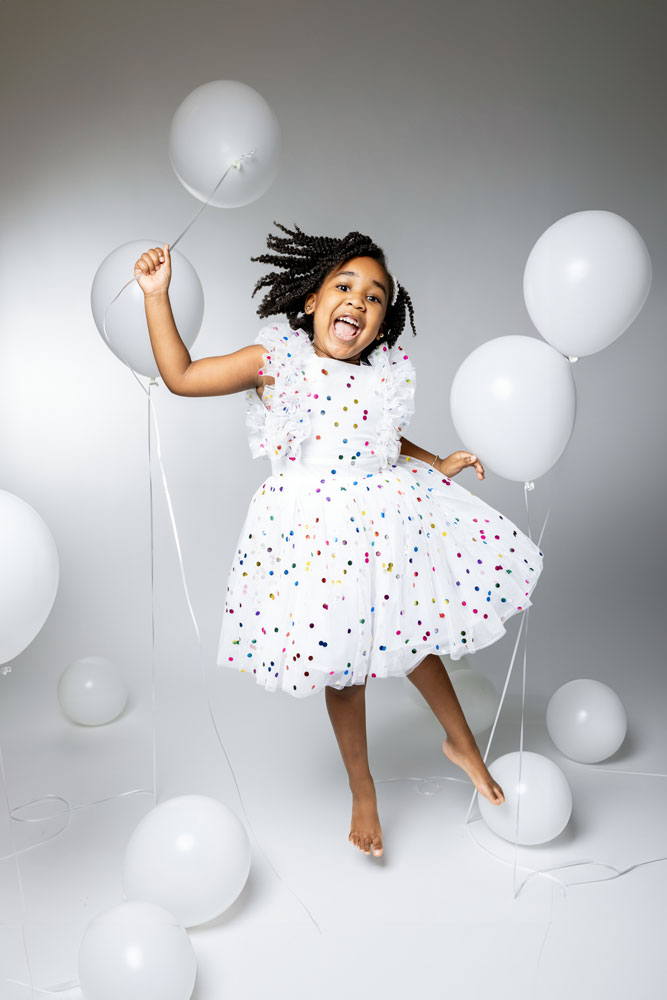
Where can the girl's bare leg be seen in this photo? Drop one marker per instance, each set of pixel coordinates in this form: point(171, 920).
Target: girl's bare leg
point(347, 711)
point(432, 681)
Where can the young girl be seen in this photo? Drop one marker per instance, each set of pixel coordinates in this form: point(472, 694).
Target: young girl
point(359, 555)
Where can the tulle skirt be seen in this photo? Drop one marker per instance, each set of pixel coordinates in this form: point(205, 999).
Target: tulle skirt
point(338, 579)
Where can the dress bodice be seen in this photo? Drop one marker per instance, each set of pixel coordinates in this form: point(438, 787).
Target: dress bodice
point(327, 416)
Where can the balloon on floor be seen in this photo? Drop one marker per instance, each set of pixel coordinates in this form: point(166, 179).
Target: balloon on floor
point(585, 281)
point(586, 720)
point(513, 404)
point(126, 328)
point(190, 854)
point(218, 125)
point(92, 691)
point(136, 951)
point(28, 574)
point(544, 799)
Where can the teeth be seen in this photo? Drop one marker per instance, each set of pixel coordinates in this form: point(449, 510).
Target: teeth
point(348, 319)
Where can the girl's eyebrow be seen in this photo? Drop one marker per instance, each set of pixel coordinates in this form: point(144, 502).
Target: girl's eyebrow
point(354, 274)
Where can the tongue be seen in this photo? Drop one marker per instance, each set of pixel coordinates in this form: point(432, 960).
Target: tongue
point(345, 330)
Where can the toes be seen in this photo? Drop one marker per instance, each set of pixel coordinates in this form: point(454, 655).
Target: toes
point(377, 848)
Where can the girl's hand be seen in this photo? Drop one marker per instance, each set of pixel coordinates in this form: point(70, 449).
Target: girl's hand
point(458, 460)
point(153, 271)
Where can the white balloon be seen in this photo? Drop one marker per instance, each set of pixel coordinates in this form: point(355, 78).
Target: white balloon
point(586, 720)
point(136, 951)
point(28, 574)
point(126, 327)
point(513, 404)
point(477, 696)
point(544, 799)
point(92, 691)
point(190, 854)
point(216, 124)
point(585, 281)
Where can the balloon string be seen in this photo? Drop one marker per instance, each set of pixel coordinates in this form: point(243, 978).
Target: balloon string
point(518, 797)
point(151, 507)
point(17, 869)
point(14, 854)
point(500, 705)
point(234, 165)
point(429, 785)
point(201, 657)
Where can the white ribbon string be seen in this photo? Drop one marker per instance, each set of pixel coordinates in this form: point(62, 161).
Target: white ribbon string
point(429, 785)
point(69, 809)
point(200, 648)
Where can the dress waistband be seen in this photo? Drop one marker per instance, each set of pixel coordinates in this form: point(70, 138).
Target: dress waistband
point(325, 473)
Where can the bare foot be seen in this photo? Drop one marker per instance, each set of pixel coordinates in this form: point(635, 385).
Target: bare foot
point(365, 831)
point(470, 761)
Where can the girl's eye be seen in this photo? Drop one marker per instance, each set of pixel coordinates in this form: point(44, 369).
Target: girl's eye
point(374, 297)
point(343, 286)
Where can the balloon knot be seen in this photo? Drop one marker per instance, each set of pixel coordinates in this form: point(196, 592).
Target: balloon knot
point(244, 156)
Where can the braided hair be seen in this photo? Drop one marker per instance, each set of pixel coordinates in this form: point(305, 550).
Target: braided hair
point(305, 262)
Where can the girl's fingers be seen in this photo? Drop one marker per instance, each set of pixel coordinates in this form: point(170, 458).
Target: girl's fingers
point(150, 260)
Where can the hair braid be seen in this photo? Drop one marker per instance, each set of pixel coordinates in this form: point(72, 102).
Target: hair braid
point(305, 261)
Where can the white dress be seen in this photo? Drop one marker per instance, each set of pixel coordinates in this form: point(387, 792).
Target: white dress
point(355, 561)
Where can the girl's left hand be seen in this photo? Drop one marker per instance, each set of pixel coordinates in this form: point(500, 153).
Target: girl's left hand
point(458, 460)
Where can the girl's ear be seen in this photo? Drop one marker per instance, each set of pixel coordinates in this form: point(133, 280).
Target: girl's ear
point(309, 304)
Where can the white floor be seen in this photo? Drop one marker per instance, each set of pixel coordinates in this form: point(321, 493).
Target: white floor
point(436, 914)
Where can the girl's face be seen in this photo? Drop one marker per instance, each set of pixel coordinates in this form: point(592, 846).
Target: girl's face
point(349, 308)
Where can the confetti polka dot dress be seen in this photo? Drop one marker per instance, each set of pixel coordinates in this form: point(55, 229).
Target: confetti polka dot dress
point(355, 561)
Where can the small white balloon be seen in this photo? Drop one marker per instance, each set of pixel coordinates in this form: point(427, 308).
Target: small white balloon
point(586, 720)
point(92, 691)
point(190, 854)
point(585, 281)
point(217, 125)
point(126, 327)
point(28, 574)
point(544, 799)
point(513, 404)
point(136, 951)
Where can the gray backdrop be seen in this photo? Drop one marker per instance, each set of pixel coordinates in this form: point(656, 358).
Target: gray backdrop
point(455, 134)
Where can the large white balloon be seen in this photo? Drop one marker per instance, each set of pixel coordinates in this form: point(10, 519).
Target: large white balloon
point(28, 574)
point(585, 281)
point(92, 691)
point(545, 798)
point(190, 854)
point(126, 326)
point(586, 720)
point(214, 127)
point(136, 951)
point(513, 404)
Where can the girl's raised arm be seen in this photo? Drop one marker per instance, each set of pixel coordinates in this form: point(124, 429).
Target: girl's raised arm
point(217, 376)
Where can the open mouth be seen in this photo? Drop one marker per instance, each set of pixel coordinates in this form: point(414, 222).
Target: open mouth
point(346, 328)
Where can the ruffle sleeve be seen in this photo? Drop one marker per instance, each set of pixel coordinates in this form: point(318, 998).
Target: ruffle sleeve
point(397, 379)
point(277, 423)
